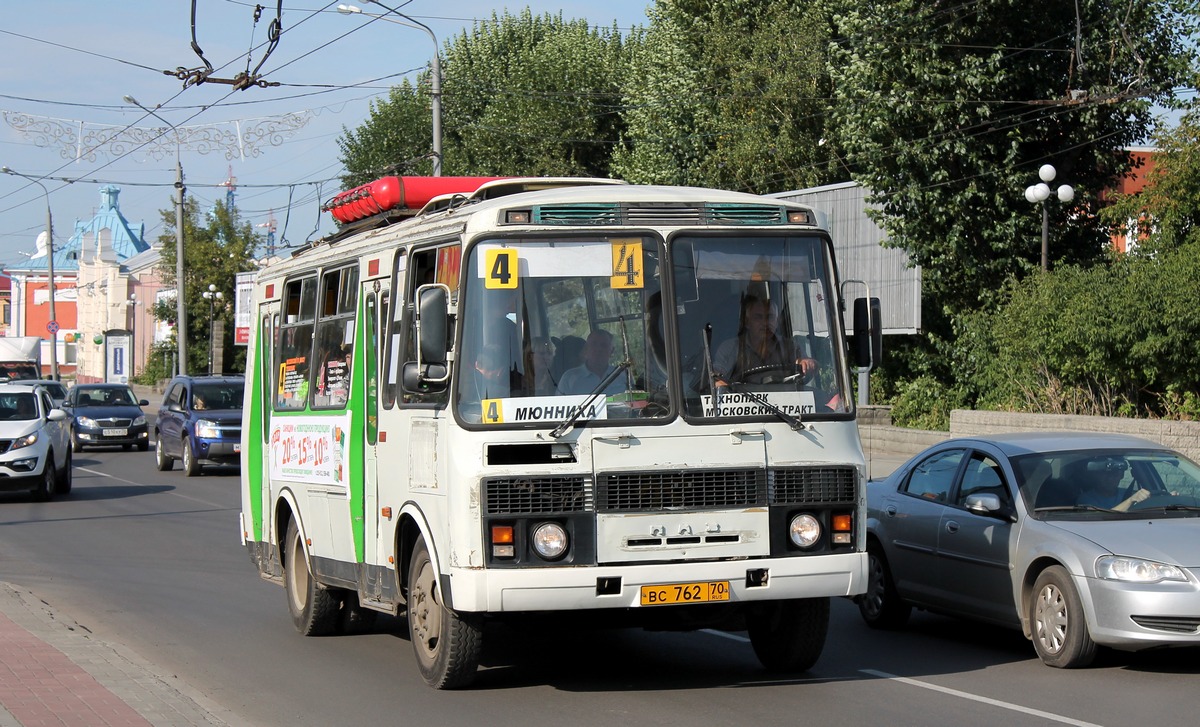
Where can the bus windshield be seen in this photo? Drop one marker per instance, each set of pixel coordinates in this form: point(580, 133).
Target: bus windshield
point(549, 333)
point(547, 328)
point(755, 326)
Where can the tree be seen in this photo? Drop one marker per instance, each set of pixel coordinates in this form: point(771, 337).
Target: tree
point(730, 95)
point(1166, 214)
point(946, 111)
point(396, 137)
point(216, 247)
point(521, 96)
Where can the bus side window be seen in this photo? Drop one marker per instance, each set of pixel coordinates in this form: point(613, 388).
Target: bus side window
point(295, 343)
point(391, 333)
point(332, 349)
point(439, 265)
point(266, 348)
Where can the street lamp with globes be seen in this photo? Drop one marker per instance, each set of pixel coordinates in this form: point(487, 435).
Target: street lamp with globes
point(1040, 193)
point(212, 295)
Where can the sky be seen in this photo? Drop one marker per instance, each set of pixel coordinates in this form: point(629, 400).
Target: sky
point(68, 64)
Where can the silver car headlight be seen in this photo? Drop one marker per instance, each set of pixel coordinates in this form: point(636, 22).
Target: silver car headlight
point(550, 540)
point(1136, 570)
point(26, 441)
point(805, 530)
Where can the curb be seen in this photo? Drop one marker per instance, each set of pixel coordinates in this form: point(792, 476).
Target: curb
point(56, 671)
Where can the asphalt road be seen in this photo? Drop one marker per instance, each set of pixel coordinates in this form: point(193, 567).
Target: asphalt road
point(152, 561)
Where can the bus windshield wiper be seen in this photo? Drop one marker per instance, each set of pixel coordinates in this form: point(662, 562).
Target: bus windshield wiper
point(791, 421)
point(621, 367)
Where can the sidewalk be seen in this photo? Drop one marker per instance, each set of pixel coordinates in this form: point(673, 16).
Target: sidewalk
point(53, 671)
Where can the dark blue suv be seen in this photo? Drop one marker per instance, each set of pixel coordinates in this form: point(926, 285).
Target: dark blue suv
point(200, 422)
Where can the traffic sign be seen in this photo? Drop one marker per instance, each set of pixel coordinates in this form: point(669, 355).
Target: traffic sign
point(52, 326)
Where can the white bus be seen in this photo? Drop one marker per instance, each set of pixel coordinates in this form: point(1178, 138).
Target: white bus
point(628, 405)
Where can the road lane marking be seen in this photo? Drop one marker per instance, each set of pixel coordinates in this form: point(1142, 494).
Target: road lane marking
point(977, 698)
point(175, 491)
point(105, 474)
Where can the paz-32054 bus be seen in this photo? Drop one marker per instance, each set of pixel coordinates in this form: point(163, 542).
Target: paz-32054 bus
point(622, 403)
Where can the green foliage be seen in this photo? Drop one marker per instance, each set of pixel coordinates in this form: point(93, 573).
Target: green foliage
point(521, 96)
point(925, 403)
point(1119, 339)
point(158, 365)
point(946, 113)
point(533, 95)
point(1167, 213)
point(729, 95)
point(396, 137)
point(216, 247)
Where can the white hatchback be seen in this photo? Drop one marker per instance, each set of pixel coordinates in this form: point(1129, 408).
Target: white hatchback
point(35, 444)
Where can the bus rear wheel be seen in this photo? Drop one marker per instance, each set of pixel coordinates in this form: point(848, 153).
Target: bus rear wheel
point(788, 636)
point(316, 611)
point(447, 644)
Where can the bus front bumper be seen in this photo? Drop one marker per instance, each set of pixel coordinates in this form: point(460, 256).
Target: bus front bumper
point(598, 587)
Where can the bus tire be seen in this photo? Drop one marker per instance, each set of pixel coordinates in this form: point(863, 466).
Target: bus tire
point(315, 609)
point(447, 644)
point(788, 636)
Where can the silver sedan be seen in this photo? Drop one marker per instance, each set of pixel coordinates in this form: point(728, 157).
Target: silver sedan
point(1079, 540)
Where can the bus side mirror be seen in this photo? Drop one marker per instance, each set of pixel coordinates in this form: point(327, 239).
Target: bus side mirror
point(433, 313)
point(425, 379)
point(868, 333)
point(431, 317)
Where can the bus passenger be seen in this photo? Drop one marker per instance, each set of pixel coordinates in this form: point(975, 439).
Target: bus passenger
point(490, 377)
point(583, 379)
point(540, 379)
point(758, 351)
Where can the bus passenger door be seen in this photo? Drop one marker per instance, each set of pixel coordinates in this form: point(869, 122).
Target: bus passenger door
point(375, 299)
point(259, 456)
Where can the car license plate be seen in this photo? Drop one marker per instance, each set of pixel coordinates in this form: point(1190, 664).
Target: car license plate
point(116, 432)
point(701, 592)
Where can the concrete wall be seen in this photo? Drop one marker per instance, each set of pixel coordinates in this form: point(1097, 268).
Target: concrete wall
point(880, 437)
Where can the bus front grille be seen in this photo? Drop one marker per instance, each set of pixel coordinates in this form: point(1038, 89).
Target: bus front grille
point(536, 495)
point(803, 485)
point(652, 491)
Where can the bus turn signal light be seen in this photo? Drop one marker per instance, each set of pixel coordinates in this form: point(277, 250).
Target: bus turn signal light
point(843, 524)
point(502, 541)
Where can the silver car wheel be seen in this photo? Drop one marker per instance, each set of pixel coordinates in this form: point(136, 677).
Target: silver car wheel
point(1050, 619)
point(1058, 624)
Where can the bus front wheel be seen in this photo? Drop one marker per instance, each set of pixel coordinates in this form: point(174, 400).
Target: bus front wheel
point(788, 636)
point(316, 611)
point(447, 644)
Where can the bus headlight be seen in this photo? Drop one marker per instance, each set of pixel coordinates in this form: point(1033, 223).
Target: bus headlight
point(805, 530)
point(549, 541)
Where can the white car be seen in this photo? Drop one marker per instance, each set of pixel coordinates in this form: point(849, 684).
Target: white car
point(35, 442)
